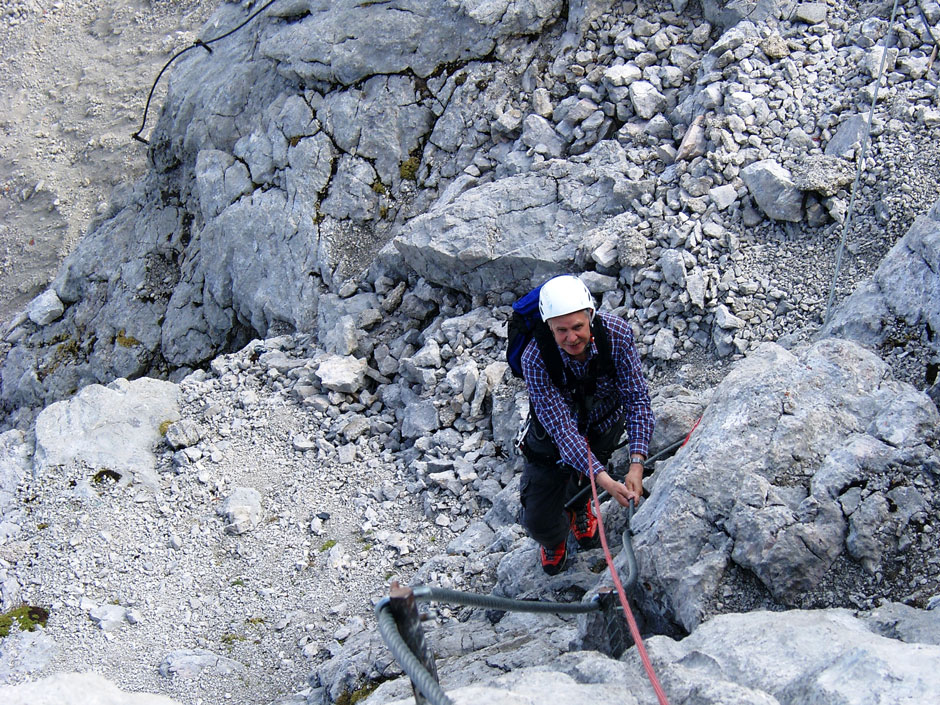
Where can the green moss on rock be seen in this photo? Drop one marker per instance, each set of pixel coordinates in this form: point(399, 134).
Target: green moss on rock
point(26, 617)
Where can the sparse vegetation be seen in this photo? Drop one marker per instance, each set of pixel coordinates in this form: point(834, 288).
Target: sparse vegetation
point(105, 474)
point(26, 617)
point(126, 341)
point(351, 697)
point(409, 168)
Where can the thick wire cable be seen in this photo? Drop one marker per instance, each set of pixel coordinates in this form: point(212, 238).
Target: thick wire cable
point(631, 620)
point(858, 172)
point(423, 680)
point(426, 593)
point(195, 44)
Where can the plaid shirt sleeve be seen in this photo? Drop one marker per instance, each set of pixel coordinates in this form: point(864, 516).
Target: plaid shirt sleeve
point(631, 386)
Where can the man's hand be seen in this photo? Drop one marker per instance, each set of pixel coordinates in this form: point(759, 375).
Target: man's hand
point(634, 481)
point(630, 489)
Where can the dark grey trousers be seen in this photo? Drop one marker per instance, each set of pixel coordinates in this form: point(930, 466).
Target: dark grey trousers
point(547, 484)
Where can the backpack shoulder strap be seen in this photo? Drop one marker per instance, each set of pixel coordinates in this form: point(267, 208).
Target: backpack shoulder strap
point(550, 355)
point(605, 365)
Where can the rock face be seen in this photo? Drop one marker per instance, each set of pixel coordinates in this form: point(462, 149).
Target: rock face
point(346, 42)
point(783, 481)
point(324, 147)
point(84, 688)
point(762, 657)
point(905, 286)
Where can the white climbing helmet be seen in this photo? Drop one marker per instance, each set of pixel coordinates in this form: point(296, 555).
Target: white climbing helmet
point(562, 295)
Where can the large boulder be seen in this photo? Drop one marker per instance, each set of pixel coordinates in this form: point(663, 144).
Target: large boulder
point(786, 489)
point(505, 234)
point(110, 428)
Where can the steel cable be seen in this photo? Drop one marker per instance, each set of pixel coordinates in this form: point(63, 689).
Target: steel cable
point(410, 664)
point(197, 43)
point(422, 679)
point(426, 593)
point(858, 173)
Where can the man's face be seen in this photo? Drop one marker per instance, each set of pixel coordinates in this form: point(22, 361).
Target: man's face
point(572, 332)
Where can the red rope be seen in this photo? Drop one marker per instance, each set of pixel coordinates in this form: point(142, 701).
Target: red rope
point(631, 621)
point(694, 426)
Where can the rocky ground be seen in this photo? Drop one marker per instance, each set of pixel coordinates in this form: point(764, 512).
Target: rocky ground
point(75, 81)
point(141, 579)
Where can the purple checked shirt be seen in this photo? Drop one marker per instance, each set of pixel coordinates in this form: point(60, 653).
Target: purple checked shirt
point(626, 391)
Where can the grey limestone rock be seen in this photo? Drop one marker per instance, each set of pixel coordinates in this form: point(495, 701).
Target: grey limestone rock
point(557, 203)
point(241, 510)
point(191, 663)
point(420, 419)
point(220, 181)
point(729, 13)
point(811, 12)
point(45, 308)
point(905, 286)
point(539, 134)
point(788, 436)
point(85, 688)
point(646, 99)
point(673, 267)
point(908, 624)
point(755, 658)
point(785, 652)
point(773, 190)
point(823, 174)
point(108, 617)
point(15, 465)
point(848, 137)
point(183, 434)
point(664, 345)
point(24, 653)
point(342, 373)
point(723, 196)
point(346, 42)
point(113, 427)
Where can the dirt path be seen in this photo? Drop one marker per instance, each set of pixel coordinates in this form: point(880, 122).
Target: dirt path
point(75, 80)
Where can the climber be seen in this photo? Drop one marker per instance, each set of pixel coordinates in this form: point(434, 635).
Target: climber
point(583, 375)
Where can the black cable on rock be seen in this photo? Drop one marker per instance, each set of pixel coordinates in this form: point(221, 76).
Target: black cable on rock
point(195, 44)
